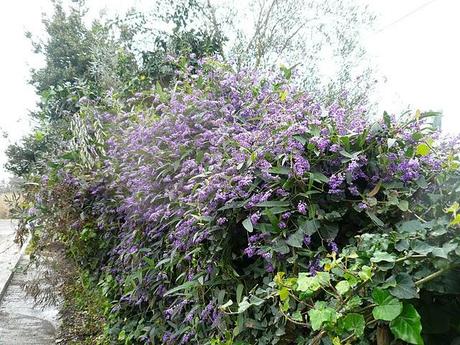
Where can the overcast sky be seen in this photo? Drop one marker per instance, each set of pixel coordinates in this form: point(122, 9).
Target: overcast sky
point(415, 49)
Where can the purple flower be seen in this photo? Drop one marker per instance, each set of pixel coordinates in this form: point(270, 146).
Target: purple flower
point(362, 206)
point(282, 225)
point(409, 169)
point(286, 215)
point(222, 220)
point(207, 311)
point(353, 190)
point(187, 337)
point(335, 183)
point(301, 166)
point(269, 268)
point(335, 148)
point(302, 207)
point(333, 247)
point(250, 251)
point(255, 218)
point(307, 240)
point(314, 267)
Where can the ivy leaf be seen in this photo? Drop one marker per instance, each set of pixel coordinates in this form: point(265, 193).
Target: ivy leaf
point(388, 307)
point(444, 251)
point(295, 239)
point(226, 305)
point(280, 247)
point(403, 205)
point(355, 323)
point(410, 226)
point(382, 256)
point(421, 247)
point(248, 225)
point(309, 227)
point(297, 316)
point(329, 231)
point(244, 305)
point(306, 283)
point(342, 287)
point(366, 273)
point(407, 326)
point(284, 294)
point(321, 314)
point(405, 287)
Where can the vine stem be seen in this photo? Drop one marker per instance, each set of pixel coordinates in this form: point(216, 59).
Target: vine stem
point(410, 257)
point(433, 275)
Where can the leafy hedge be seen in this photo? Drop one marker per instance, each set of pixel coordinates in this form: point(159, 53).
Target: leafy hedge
point(233, 208)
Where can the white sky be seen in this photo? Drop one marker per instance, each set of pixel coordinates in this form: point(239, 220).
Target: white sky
point(416, 50)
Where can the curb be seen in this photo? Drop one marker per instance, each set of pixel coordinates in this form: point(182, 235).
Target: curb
point(13, 269)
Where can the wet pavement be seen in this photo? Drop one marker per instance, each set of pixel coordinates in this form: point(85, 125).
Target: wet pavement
point(9, 253)
point(21, 322)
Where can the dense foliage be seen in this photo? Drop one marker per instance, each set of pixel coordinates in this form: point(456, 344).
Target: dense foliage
point(213, 204)
point(233, 208)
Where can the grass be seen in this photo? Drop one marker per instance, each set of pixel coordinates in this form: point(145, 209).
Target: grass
point(82, 311)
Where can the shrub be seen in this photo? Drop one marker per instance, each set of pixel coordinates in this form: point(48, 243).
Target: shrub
point(235, 209)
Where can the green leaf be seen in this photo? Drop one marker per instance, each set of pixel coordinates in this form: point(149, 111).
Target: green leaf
point(382, 256)
point(422, 149)
point(243, 305)
point(296, 239)
point(443, 252)
point(307, 283)
point(391, 142)
point(239, 292)
point(273, 203)
point(281, 247)
point(184, 286)
point(319, 177)
point(403, 205)
point(407, 326)
point(321, 314)
point(342, 287)
point(297, 316)
point(388, 307)
point(283, 293)
point(366, 273)
point(374, 218)
point(405, 287)
point(226, 305)
point(354, 323)
point(410, 226)
point(280, 170)
point(421, 247)
point(248, 224)
point(309, 227)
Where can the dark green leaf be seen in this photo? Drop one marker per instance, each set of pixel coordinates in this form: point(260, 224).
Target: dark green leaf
point(405, 287)
point(407, 326)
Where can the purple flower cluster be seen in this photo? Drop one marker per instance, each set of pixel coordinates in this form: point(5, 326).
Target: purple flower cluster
point(187, 172)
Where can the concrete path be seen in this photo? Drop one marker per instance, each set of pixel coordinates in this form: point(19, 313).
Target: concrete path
point(9, 253)
point(21, 322)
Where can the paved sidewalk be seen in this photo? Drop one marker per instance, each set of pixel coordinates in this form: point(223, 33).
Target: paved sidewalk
point(9, 253)
point(21, 322)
